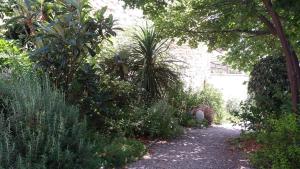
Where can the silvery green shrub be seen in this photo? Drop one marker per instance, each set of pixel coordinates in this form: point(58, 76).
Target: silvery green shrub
point(38, 130)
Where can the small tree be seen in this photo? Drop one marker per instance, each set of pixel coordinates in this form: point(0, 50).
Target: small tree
point(64, 43)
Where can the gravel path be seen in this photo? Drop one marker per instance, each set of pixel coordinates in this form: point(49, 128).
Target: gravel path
point(196, 149)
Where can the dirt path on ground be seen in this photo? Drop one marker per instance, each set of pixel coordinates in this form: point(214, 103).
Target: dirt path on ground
point(196, 149)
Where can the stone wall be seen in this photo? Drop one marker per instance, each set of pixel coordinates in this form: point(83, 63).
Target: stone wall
point(195, 64)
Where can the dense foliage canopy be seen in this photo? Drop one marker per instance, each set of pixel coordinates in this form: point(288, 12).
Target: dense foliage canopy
point(238, 27)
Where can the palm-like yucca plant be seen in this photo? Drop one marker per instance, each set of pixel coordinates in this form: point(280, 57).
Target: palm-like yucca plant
point(155, 71)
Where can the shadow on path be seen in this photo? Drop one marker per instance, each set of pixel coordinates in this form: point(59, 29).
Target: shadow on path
point(196, 149)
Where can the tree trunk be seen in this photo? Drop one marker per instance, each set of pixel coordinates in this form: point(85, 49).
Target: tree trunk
point(291, 58)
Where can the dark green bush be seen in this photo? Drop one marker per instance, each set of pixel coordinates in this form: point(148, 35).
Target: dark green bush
point(281, 144)
point(268, 84)
point(233, 107)
point(129, 122)
point(268, 90)
point(121, 151)
point(156, 121)
point(39, 130)
point(247, 115)
point(100, 96)
point(211, 97)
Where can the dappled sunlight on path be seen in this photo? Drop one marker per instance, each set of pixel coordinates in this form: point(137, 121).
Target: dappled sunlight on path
point(196, 149)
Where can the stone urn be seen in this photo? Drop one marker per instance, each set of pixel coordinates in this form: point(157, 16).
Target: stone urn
point(199, 115)
point(203, 112)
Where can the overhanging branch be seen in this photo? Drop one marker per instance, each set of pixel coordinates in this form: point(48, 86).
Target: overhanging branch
point(269, 24)
point(250, 32)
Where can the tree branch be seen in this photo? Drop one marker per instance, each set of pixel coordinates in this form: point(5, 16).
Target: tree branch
point(251, 32)
point(269, 24)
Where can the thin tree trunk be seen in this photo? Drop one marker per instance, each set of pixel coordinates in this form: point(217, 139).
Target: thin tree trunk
point(292, 62)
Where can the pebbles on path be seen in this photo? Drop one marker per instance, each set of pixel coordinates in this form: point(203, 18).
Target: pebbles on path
point(196, 149)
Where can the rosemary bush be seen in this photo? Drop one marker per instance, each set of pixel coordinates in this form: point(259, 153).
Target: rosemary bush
point(38, 130)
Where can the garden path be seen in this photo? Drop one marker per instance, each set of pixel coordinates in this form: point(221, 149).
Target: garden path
point(196, 149)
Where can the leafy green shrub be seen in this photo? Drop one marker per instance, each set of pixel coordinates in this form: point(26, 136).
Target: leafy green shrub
point(184, 101)
point(211, 97)
point(11, 57)
point(121, 151)
point(39, 130)
point(248, 115)
point(100, 96)
point(156, 121)
point(233, 107)
point(85, 91)
point(64, 43)
point(160, 121)
point(129, 122)
point(268, 84)
point(281, 144)
point(268, 89)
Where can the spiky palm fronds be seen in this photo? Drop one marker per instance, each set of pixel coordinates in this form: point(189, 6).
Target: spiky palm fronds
point(155, 73)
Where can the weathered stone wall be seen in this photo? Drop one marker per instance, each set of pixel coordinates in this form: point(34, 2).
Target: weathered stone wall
point(195, 62)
